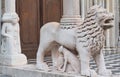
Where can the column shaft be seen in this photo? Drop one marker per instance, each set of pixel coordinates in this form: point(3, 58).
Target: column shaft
point(9, 6)
point(71, 13)
point(71, 8)
point(83, 8)
point(95, 2)
point(0, 23)
point(115, 29)
point(108, 30)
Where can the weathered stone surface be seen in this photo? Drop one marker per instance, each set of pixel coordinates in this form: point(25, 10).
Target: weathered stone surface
point(70, 63)
point(2, 75)
point(31, 71)
point(87, 39)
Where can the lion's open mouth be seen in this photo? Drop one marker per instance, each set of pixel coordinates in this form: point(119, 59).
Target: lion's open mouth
point(108, 23)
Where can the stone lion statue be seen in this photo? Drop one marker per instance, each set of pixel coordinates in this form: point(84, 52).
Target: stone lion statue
point(87, 39)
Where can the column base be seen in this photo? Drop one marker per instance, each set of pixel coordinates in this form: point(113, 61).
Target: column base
point(71, 20)
point(68, 23)
point(31, 71)
point(110, 50)
point(13, 60)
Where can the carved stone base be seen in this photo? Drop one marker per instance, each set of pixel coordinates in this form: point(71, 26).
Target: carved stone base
point(31, 71)
point(72, 22)
point(13, 60)
point(110, 50)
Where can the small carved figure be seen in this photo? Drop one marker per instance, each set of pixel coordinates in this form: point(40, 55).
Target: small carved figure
point(87, 39)
point(71, 61)
point(10, 34)
point(60, 62)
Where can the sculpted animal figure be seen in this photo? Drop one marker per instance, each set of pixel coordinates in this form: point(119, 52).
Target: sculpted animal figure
point(69, 62)
point(87, 39)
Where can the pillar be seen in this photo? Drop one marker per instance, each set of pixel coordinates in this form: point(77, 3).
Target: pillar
point(91, 3)
point(88, 4)
point(101, 2)
point(108, 48)
point(11, 49)
point(95, 2)
point(83, 9)
point(0, 22)
point(71, 13)
point(115, 29)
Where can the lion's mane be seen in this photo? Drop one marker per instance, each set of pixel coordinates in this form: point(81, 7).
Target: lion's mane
point(89, 33)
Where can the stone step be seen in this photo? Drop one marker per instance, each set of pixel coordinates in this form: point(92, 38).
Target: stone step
point(31, 71)
point(3, 75)
point(112, 63)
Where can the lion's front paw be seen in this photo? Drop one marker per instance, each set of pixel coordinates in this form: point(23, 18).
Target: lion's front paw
point(104, 72)
point(42, 66)
point(85, 72)
point(61, 70)
point(93, 73)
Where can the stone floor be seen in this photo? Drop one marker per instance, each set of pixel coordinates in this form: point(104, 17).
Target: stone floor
point(2, 75)
point(112, 62)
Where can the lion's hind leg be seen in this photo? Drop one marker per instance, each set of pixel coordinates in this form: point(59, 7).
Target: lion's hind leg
point(43, 47)
point(40, 59)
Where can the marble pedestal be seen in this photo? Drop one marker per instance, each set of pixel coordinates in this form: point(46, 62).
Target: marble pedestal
point(13, 60)
point(10, 52)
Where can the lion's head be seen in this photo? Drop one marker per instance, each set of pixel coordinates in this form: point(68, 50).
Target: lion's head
point(102, 16)
point(91, 32)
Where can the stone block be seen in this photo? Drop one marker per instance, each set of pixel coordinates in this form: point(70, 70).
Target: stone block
point(31, 71)
point(13, 60)
point(2, 75)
